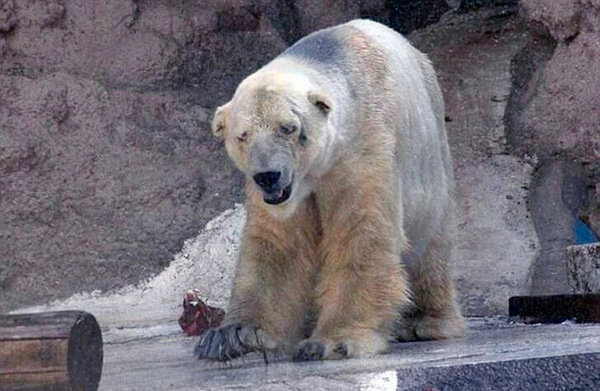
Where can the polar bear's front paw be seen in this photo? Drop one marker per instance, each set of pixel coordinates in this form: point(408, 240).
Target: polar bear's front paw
point(224, 343)
point(351, 345)
point(311, 350)
point(423, 328)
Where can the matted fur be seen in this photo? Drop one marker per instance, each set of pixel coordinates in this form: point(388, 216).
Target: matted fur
point(352, 120)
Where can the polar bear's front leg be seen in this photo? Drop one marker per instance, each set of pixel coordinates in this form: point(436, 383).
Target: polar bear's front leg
point(268, 302)
point(362, 284)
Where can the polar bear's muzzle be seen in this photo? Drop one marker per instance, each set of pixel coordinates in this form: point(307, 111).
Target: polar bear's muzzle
point(275, 190)
point(278, 197)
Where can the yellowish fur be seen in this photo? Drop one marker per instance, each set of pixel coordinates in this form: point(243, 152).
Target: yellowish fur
point(358, 254)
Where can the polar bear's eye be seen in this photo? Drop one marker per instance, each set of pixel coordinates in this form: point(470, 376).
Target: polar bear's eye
point(288, 129)
point(302, 138)
point(243, 137)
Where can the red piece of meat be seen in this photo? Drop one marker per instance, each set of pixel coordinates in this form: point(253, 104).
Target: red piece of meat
point(198, 317)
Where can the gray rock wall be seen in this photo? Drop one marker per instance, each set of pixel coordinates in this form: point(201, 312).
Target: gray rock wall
point(553, 115)
point(107, 163)
point(496, 240)
point(583, 262)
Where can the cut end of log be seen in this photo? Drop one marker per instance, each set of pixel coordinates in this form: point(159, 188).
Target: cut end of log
point(50, 350)
point(85, 353)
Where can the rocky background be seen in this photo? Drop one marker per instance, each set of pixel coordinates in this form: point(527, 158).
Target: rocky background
point(107, 163)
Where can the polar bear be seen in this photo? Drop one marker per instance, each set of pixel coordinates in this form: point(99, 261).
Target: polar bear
point(349, 201)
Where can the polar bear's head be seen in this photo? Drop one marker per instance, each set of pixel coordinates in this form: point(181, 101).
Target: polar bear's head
point(275, 131)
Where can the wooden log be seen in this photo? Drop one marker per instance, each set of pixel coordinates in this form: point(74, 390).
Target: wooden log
point(58, 351)
point(556, 308)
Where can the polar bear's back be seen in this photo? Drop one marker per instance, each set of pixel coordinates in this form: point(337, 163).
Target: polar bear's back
point(361, 61)
point(424, 162)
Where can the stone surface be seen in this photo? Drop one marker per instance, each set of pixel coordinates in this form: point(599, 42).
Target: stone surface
point(208, 71)
point(592, 213)
point(99, 182)
point(554, 223)
point(103, 179)
point(561, 116)
point(90, 40)
point(130, 43)
point(107, 162)
point(560, 17)
point(206, 263)
point(406, 16)
point(7, 16)
point(583, 264)
point(495, 356)
point(555, 105)
point(496, 243)
point(551, 115)
point(315, 14)
point(145, 349)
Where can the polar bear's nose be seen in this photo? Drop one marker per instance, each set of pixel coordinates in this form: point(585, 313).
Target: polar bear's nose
point(267, 180)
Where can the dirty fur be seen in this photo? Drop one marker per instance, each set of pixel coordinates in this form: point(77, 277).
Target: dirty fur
point(349, 201)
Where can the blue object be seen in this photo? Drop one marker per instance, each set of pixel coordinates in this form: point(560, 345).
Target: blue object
point(583, 233)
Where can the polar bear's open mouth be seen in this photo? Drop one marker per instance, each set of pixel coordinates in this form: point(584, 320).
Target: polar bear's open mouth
point(279, 196)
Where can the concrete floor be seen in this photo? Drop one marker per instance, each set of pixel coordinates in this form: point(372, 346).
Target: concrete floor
point(497, 355)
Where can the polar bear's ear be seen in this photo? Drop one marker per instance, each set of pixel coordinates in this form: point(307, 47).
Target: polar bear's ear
point(218, 123)
point(320, 100)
